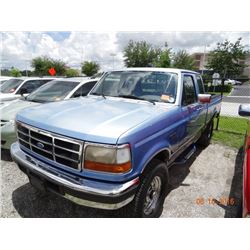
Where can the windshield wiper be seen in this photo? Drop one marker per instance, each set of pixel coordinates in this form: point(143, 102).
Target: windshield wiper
point(101, 94)
point(136, 98)
point(36, 100)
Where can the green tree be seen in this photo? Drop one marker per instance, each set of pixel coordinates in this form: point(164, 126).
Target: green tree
point(71, 72)
point(59, 66)
point(225, 59)
point(90, 68)
point(183, 60)
point(15, 72)
point(42, 64)
point(141, 54)
point(164, 59)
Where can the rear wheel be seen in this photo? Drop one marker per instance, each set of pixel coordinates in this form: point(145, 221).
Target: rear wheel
point(149, 199)
point(206, 136)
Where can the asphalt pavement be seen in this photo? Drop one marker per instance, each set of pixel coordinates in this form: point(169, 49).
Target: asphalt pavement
point(239, 94)
point(241, 90)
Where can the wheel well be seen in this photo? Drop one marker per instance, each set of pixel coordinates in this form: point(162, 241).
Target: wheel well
point(162, 156)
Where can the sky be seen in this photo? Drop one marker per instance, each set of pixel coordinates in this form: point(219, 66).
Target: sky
point(18, 48)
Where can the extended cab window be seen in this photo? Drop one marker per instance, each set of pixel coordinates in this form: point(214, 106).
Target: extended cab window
point(188, 94)
point(200, 85)
point(84, 89)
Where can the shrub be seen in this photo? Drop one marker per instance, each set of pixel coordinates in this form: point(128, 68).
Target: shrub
point(226, 88)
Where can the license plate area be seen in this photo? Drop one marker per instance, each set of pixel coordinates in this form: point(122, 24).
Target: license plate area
point(37, 182)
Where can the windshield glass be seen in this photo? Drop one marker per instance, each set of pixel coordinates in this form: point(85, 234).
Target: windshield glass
point(52, 91)
point(11, 85)
point(144, 85)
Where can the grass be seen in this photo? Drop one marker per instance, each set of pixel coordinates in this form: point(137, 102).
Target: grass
point(224, 93)
point(231, 131)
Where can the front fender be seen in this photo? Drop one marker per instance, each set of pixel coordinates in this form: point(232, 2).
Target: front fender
point(144, 153)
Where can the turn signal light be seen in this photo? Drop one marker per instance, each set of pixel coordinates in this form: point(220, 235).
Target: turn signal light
point(111, 168)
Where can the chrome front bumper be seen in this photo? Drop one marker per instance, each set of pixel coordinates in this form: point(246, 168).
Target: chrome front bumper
point(79, 190)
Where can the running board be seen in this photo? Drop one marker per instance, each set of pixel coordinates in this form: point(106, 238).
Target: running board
point(185, 156)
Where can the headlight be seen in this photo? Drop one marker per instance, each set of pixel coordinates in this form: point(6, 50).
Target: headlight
point(107, 158)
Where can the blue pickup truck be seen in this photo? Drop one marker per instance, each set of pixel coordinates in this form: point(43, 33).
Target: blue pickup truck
point(112, 149)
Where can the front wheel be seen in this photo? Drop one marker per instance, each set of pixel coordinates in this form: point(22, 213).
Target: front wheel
point(149, 199)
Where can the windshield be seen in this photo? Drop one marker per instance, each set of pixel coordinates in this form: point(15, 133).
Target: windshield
point(2, 81)
point(11, 85)
point(142, 85)
point(52, 91)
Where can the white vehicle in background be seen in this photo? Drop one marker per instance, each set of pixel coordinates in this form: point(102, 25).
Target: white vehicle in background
point(54, 91)
point(226, 82)
point(14, 88)
point(4, 79)
point(232, 82)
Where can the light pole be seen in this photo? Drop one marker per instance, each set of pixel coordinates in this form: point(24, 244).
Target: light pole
point(1, 54)
point(113, 55)
point(204, 58)
point(82, 51)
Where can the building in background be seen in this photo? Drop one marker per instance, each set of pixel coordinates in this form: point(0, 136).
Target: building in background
point(246, 62)
point(201, 60)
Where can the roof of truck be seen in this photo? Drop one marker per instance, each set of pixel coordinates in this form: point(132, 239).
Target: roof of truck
point(76, 79)
point(174, 70)
point(33, 78)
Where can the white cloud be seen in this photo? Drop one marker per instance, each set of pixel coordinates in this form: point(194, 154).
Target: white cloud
point(18, 48)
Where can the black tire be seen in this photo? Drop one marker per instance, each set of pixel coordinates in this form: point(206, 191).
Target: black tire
point(156, 173)
point(206, 136)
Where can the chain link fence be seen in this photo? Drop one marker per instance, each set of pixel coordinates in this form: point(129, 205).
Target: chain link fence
point(230, 128)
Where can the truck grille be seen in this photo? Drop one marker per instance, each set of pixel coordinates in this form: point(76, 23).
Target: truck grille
point(63, 150)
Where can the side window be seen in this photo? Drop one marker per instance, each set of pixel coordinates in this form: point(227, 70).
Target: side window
point(84, 89)
point(32, 85)
point(200, 85)
point(188, 95)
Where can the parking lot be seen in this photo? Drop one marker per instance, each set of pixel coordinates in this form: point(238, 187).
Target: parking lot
point(208, 185)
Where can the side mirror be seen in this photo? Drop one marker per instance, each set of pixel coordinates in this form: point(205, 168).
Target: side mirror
point(23, 91)
point(244, 110)
point(204, 98)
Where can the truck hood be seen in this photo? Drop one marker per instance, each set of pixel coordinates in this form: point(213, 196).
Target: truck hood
point(90, 118)
point(8, 112)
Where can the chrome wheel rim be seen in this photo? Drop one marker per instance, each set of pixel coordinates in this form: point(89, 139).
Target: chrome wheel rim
point(152, 196)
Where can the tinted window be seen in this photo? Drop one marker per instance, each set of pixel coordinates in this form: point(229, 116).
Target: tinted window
point(200, 85)
point(11, 85)
point(84, 89)
point(52, 91)
point(189, 94)
point(32, 85)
